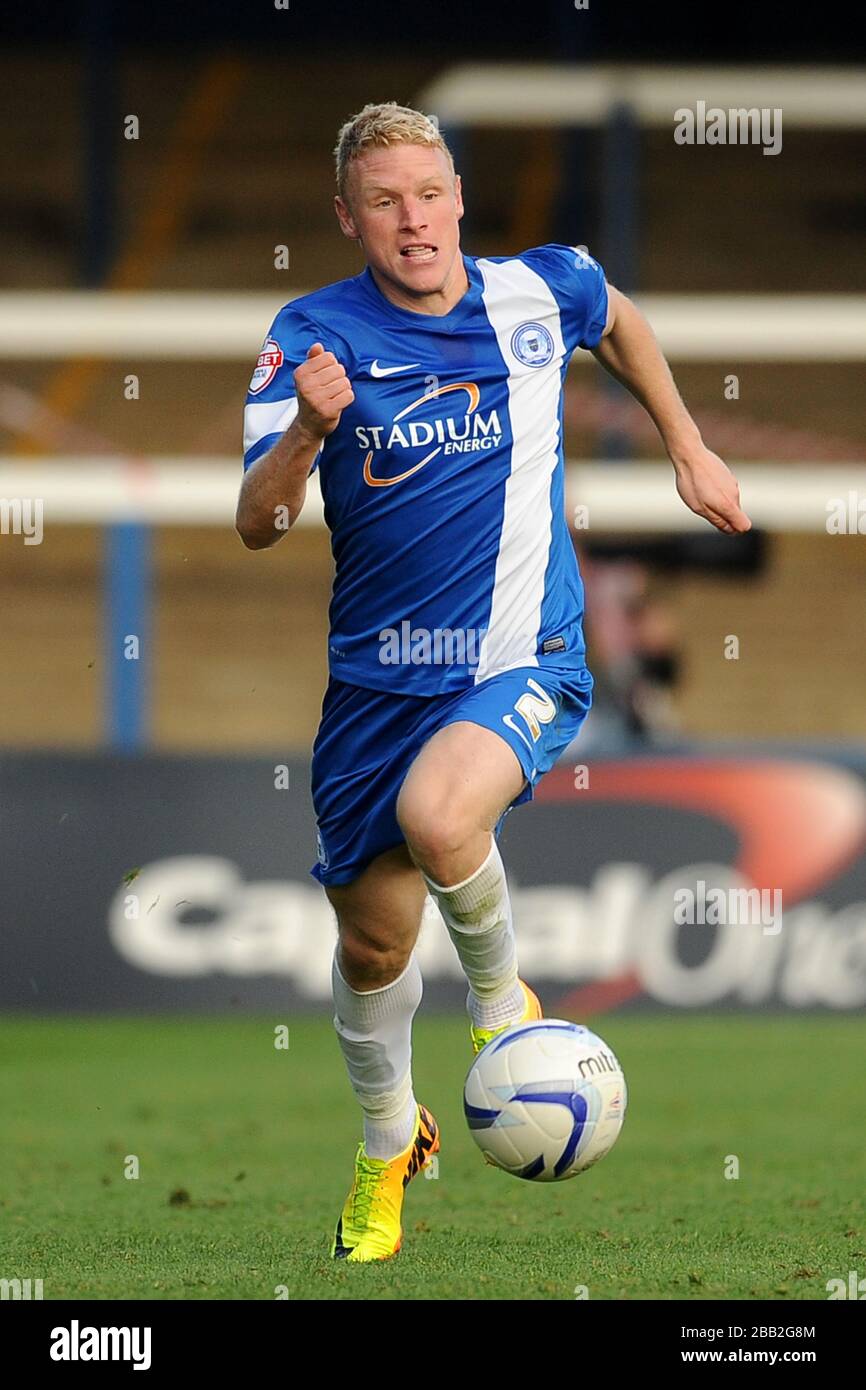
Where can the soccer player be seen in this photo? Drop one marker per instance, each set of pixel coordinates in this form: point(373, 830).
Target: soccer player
point(427, 391)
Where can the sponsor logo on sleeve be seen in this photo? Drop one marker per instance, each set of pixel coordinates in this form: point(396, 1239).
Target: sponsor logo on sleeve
point(269, 363)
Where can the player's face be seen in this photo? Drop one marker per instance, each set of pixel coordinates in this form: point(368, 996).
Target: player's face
point(404, 206)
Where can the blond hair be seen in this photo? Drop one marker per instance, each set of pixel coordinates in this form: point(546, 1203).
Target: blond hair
point(380, 125)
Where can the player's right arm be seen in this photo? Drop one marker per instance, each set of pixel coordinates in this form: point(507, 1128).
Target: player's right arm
point(275, 484)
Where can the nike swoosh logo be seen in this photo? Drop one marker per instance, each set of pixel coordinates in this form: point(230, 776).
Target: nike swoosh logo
point(376, 370)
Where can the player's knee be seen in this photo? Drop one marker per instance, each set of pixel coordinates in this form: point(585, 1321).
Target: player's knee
point(434, 828)
point(370, 958)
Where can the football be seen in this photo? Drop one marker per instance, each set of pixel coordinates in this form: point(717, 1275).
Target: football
point(544, 1100)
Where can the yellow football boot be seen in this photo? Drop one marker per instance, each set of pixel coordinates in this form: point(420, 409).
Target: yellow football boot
point(481, 1036)
point(369, 1226)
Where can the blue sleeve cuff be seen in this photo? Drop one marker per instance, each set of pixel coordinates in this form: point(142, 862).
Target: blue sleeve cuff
point(263, 445)
point(598, 319)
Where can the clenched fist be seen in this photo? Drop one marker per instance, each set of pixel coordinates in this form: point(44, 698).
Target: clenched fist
point(323, 392)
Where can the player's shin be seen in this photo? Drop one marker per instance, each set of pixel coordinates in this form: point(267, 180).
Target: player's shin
point(477, 913)
point(374, 1028)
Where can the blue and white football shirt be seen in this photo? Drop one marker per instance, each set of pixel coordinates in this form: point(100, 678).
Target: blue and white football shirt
point(443, 483)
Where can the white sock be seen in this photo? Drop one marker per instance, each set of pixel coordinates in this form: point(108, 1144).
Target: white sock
point(375, 1032)
point(477, 913)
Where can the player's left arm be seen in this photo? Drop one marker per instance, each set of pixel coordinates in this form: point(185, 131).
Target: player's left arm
point(628, 349)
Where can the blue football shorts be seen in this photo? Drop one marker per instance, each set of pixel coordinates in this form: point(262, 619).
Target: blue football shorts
point(368, 739)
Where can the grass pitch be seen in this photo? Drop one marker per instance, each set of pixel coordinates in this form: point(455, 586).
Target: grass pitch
point(245, 1156)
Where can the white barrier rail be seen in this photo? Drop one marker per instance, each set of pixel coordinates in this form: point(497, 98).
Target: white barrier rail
point(151, 324)
point(50, 326)
point(556, 94)
point(617, 497)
